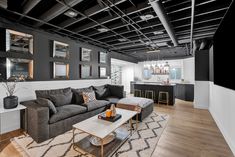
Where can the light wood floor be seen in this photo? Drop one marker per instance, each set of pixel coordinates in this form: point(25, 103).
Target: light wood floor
point(190, 133)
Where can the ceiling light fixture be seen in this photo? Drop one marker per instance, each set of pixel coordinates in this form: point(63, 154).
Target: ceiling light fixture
point(103, 29)
point(122, 39)
point(158, 32)
point(153, 51)
point(71, 13)
point(146, 17)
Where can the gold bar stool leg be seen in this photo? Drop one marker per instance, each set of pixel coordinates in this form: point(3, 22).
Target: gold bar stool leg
point(160, 98)
point(149, 93)
point(137, 93)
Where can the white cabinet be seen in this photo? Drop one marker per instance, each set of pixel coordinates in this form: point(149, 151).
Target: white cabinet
point(10, 118)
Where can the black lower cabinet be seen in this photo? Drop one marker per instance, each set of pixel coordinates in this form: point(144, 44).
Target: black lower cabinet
point(184, 92)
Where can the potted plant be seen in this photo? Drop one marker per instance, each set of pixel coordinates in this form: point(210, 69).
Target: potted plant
point(10, 101)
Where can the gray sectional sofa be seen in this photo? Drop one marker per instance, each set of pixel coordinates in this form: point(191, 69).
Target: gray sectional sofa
point(55, 111)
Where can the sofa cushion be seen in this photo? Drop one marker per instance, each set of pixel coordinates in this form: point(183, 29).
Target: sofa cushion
point(46, 93)
point(101, 92)
point(112, 100)
point(88, 96)
point(77, 95)
point(47, 103)
point(67, 111)
point(116, 90)
point(61, 99)
point(96, 104)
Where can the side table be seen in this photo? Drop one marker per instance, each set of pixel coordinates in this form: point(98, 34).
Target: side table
point(10, 118)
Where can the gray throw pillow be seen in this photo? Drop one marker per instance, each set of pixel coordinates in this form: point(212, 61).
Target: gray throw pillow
point(61, 99)
point(47, 93)
point(47, 103)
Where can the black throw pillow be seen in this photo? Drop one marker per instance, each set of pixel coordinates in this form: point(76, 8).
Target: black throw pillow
point(101, 92)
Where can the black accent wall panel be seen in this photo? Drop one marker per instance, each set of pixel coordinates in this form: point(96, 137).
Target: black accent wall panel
point(43, 48)
point(211, 65)
point(202, 65)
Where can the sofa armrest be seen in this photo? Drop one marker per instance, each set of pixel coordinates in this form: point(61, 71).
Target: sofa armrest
point(116, 90)
point(37, 121)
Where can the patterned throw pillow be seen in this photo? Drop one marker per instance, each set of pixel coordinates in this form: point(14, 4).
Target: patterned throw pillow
point(88, 96)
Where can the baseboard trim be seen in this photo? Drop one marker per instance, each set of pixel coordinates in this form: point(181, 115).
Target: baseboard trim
point(200, 107)
point(226, 137)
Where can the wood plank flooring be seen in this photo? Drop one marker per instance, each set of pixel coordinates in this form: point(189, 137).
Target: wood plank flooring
point(190, 133)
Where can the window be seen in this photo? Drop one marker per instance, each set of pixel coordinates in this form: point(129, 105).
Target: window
point(116, 74)
point(175, 73)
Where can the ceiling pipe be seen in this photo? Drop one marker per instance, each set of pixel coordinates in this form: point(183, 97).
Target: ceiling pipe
point(159, 10)
point(30, 5)
point(192, 24)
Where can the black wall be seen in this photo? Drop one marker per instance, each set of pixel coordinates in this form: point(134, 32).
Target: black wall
point(211, 65)
point(202, 65)
point(43, 60)
point(224, 50)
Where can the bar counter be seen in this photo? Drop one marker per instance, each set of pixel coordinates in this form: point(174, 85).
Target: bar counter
point(156, 87)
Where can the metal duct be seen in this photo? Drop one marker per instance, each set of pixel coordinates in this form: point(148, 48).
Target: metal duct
point(192, 23)
point(159, 10)
point(3, 4)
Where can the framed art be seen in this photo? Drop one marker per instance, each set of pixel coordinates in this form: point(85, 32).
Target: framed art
point(19, 42)
point(60, 70)
point(60, 50)
point(17, 67)
point(102, 57)
point(86, 54)
point(85, 71)
point(102, 72)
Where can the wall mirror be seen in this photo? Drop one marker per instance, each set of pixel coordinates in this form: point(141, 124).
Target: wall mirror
point(19, 42)
point(60, 70)
point(102, 57)
point(85, 71)
point(60, 50)
point(19, 68)
point(85, 54)
point(102, 71)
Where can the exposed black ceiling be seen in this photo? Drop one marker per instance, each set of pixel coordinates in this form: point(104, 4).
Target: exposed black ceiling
point(122, 20)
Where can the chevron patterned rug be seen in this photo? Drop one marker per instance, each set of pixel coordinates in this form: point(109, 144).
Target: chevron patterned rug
point(141, 144)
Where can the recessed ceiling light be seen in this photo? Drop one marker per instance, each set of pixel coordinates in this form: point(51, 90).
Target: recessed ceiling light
point(153, 51)
point(146, 17)
point(122, 39)
point(71, 13)
point(103, 29)
point(158, 32)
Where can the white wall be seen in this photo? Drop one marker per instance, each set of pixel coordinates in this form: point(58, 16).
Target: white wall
point(222, 108)
point(26, 91)
point(127, 77)
point(128, 71)
point(189, 69)
point(187, 65)
point(201, 94)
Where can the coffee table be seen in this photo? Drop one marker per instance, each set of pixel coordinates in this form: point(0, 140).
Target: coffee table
point(101, 129)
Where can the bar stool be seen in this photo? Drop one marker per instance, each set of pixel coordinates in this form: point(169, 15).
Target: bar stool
point(137, 92)
point(163, 97)
point(149, 94)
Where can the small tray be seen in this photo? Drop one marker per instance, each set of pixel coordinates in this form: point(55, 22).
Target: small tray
point(97, 141)
point(111, 119)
